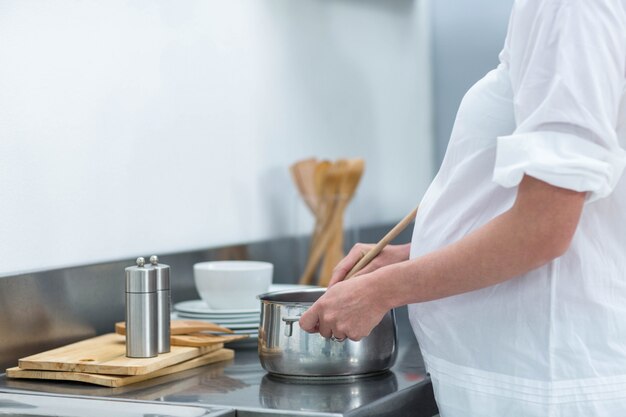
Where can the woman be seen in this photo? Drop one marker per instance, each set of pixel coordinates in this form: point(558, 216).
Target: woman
point(516, 274)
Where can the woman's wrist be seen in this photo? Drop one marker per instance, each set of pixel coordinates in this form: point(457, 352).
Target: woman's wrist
point(406, 251)
point(380, 287)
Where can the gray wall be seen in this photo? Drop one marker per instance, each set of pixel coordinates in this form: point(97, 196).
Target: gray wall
point(467, 38)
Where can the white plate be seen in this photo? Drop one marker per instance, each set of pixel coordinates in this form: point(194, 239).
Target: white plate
point(199, 307)
point(237, 327)
point(250, 332)
point(219, 320)
point(239, 317)
point(241, 326)
point(225, 317)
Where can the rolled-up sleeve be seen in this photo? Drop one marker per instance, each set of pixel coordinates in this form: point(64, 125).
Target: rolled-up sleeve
point(567, 70)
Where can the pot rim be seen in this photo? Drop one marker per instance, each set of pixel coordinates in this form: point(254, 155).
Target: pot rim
point(266, 297)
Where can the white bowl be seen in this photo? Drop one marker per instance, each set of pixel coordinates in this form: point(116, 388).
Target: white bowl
point(231, 285)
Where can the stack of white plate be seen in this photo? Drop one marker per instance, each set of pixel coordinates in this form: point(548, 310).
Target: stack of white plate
point(239, 321)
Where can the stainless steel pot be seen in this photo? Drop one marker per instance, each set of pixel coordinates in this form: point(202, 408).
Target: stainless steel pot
point(287, 350)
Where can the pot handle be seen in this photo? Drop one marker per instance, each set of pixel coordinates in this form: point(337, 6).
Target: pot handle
point(289, 324)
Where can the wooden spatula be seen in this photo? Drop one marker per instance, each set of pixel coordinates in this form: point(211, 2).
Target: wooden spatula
point(183, 327)
point(327, 178)
point(303, 173)
point(204, 339)
point(392, 234)
point(352, 173)
point(325, 182)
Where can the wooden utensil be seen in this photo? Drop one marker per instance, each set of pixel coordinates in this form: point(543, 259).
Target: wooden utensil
point(183, 327)
point(118, 381)
point(303, 173)
point(392, 234)
point(326, 233)
point(106, 354)
point(342, 167)
point(204, 339)
point(351, 177)
point(326, 181)
point(327, 178)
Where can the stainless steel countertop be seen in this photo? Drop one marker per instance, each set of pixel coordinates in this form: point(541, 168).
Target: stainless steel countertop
point(243, 385)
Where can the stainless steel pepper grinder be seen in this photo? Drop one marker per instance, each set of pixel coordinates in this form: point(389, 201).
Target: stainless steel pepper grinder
point(141, 311)
point(163, 303)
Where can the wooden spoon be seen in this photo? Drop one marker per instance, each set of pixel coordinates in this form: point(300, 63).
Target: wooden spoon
point(204, 339)
point(327, 182)
point(324, 182)
point(334, 253)
point(303, 173)
point(183, 327)
point(392, 234)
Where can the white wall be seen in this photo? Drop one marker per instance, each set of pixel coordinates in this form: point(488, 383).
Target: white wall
point(137, 127)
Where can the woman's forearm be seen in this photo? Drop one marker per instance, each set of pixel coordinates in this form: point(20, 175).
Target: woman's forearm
point(391, 254)
point(538, 228)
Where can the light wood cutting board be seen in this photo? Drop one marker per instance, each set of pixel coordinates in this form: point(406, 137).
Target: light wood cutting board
point(119, 381)
point(106, 354)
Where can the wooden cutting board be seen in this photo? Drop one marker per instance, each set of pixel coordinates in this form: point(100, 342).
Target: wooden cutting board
point(106, 354)
point(119, 381)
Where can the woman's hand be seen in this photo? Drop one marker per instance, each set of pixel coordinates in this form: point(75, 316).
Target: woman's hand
point(349, 309)
point(391, 254)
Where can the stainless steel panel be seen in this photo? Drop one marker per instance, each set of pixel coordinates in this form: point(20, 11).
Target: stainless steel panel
point(14, 404)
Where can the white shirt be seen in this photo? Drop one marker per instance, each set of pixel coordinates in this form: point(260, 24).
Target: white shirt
point(553, 341)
